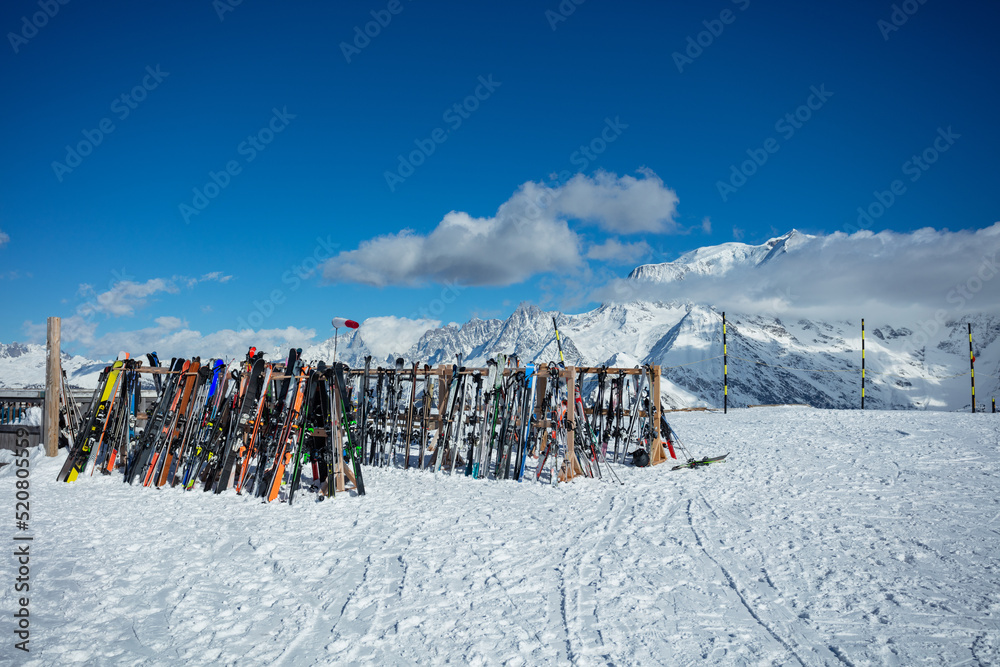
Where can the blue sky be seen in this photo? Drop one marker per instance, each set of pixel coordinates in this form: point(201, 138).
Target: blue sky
point(623, 121)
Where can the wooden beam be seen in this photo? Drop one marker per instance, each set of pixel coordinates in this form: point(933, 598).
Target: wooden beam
point(157, 370)
point(623, 371)
point(53, 380)
point(335, 473)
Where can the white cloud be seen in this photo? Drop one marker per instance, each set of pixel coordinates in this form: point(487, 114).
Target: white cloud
point(35, 333)
point(168, 340)
point(393, 335)
point(124, 297)
point(216, 276)
point(73, 329)
point(472, 251)
point(615, 252)
point(919, 272)
point(625, 205)
point(529, 235)
point(4, 238)
point(169, 322)
point(706, 225)
point(171, 337)
point(76, 328)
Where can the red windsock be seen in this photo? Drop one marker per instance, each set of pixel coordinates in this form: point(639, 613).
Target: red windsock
point(341, 322)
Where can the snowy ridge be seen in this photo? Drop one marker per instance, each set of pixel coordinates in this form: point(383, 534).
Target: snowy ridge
point(720, 259)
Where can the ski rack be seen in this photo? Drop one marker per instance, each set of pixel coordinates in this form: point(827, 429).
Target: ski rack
point(573, 376)
point(657, 451)
point(444, 372)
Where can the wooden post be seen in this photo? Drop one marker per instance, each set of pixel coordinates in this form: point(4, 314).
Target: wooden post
point(862, 363)
point(53, 376)
point(335, 474)
point(425, 416)
point(572, 464)
point(541, 384)
point(657, 453)
point(409, 417)
point(444, 387)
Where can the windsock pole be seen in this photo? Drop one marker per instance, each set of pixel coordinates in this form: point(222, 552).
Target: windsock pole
point(338, 322)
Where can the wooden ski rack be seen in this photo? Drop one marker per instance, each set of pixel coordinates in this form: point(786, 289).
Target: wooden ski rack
point(571, 375)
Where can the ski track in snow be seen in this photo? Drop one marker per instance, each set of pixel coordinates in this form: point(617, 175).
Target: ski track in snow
point(828, 538)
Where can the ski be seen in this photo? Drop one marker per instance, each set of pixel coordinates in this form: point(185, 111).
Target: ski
point(700, 463)
point(353, 447)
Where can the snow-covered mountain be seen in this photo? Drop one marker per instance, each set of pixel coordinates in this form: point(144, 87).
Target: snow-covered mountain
point(771, 359)
point(765, 354)
point(22, 366)
point(907, 368)
point(720, 259)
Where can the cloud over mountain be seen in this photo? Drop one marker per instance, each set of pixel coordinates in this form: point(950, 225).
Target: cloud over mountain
point(532, 233)
point(923, 271)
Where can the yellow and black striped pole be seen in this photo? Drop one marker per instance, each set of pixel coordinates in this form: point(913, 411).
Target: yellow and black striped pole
point(725, 368)
point(562, 360)
point(862, 363)
point(972, 369)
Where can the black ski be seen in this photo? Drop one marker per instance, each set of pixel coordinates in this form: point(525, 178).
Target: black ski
point(354, 449)
point(700, 463)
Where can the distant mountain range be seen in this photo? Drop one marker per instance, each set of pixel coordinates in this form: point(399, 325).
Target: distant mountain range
point(23, 366)
point(771, 360)
point(685, 339)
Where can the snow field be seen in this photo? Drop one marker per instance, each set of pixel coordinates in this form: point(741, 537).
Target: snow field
point(828, 538)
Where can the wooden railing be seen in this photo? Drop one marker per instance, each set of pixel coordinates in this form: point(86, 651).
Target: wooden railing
point(14, 406)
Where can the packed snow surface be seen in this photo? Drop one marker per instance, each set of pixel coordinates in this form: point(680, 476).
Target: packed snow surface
point(828, 538)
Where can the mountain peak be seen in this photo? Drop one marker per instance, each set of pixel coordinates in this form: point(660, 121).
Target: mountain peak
point(720, 259)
